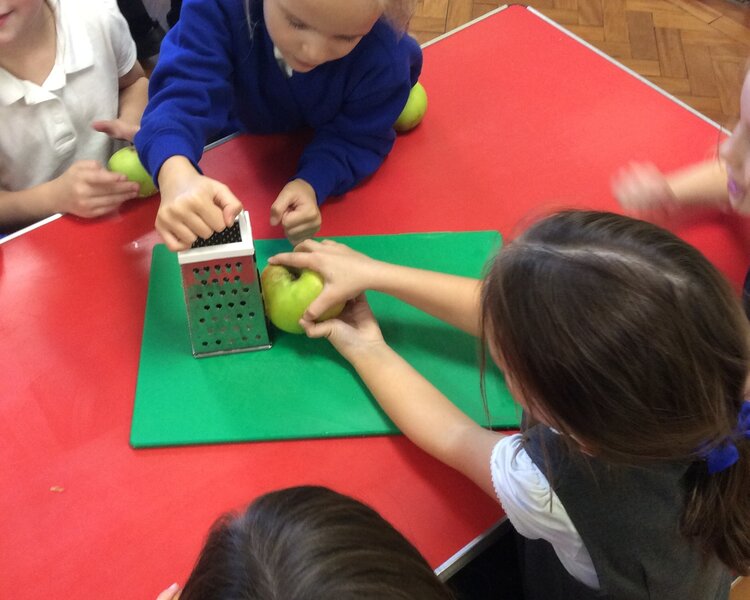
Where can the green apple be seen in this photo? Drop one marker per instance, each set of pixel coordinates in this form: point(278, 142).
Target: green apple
point(126, 161)
point(416, 107)
point(287, 292)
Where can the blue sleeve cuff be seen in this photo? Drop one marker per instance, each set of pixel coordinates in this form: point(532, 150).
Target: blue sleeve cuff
point(322, 179)
point(155, 151)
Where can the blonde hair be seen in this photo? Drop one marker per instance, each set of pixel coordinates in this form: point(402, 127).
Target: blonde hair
point(397, 13)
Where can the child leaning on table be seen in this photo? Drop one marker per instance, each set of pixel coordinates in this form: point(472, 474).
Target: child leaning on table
point(69, 84)
point(308, 542)
point(628, 352)
point(341, 67)
point(723, 182)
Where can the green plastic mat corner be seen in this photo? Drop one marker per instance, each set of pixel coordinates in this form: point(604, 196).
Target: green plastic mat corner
point(302, 388)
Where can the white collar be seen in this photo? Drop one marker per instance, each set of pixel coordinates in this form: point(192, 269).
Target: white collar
point(288, 71)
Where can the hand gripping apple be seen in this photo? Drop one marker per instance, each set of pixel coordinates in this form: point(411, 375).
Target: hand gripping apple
point(126, 161)
point(287, 292)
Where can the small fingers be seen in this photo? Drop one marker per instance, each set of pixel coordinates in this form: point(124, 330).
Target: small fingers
point(319, 305)
point(171, 593)
point(229, 204)
point(299, 260)
point(317, 330)
point(278, 208)
point(172, 242)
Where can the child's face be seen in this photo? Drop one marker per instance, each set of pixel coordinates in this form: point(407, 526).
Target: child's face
point(736, 153)
point(17, 17)
point(309, 33)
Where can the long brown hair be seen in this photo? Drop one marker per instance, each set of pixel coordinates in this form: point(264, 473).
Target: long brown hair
point(309, 542)
point(630, 342)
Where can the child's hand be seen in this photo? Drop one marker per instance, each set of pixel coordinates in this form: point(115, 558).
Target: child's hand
point(346, 273)
point(89, 190)
point(117, 129)
point(192, 205)
point(642, 188)
point(171, 593)
point(296, 208)
point(354, 333)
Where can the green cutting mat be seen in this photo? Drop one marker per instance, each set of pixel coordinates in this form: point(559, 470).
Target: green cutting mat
point(302, 388)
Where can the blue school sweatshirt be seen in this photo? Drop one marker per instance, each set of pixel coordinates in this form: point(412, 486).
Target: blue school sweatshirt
point(213, 71)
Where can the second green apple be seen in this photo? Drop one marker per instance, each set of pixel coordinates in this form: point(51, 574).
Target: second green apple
point(126, 161)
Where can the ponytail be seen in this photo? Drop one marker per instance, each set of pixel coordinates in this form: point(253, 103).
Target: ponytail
point(717, 511)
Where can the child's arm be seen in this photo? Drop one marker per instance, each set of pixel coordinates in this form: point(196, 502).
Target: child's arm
point(190, 98)
point(347, 273)
point(353, 145)
point(86, 189)
point(418, 409)
point(642, 188)
point(191, 204)
point(132, 102)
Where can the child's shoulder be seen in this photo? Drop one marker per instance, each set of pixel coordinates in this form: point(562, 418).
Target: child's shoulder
point(383, 36)
point(89, 11)
point(384, 48)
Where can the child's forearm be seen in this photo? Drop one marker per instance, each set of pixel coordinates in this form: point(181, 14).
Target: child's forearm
point(18, 209)
point(426, 416)
point(701, 184)
point(133, 96)
point(450, 298)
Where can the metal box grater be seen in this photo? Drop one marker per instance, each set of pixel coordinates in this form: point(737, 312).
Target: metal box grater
point(222, 292)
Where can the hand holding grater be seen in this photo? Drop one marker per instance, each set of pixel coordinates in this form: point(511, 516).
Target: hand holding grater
point(222, 292)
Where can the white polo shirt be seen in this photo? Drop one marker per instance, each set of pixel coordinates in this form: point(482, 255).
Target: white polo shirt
point(44, 129)
point(534, 509)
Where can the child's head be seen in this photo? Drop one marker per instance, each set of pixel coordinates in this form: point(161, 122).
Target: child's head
point(309, 33)
point(309, 542)
point(735, 152)
point(619, 335)
point(630, 343)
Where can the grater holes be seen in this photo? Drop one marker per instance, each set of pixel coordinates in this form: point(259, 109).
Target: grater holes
point(228, 236)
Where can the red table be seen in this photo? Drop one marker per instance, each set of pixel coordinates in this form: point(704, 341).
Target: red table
point(522, 118)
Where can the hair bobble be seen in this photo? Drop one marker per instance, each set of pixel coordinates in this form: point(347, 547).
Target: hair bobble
point(726, 454)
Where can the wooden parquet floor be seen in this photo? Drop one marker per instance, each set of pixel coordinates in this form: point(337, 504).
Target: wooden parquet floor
point(694, 49)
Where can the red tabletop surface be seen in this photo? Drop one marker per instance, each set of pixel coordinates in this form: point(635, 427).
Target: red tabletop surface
point(522, 118)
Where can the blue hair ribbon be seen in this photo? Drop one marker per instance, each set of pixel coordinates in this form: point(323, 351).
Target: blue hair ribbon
point(726, 454)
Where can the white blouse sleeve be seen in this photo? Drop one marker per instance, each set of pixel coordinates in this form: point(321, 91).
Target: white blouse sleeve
point(534, 509)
